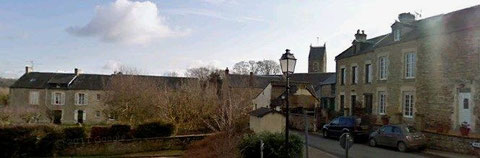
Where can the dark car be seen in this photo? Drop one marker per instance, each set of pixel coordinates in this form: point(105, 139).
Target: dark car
point(402, 137)
point(345, 124)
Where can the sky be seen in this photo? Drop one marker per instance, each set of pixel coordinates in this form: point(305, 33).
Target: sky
point(160, 36)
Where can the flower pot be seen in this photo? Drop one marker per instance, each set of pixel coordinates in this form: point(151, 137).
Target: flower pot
point(385, 121)
point(464, 131)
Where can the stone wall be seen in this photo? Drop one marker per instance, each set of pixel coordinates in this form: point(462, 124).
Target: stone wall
point(450, 143)
point(130, 146)
point(297, 121)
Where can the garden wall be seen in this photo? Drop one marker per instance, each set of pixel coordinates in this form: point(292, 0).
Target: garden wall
point(450, 143)
point(118, 147)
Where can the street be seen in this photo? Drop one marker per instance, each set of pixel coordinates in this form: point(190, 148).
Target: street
point(332, 146)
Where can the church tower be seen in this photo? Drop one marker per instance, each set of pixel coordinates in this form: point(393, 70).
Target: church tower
point(317, 59)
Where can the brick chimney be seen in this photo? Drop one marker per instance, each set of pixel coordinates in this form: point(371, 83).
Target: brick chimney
point(360, 37)
point(406, 17)
point(28, 69)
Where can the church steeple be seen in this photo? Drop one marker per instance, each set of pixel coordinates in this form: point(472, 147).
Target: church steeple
point(317, 59)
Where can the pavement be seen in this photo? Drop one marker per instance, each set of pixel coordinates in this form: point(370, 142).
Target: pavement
point(330, 148)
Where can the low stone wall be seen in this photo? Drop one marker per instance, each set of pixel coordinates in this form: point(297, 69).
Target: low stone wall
point(130, 146)
point(450, 143)
point(297, 121)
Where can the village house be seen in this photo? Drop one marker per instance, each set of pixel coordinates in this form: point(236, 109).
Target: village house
point(424, 72)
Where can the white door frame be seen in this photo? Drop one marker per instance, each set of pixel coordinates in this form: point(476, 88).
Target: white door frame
point(465, 109)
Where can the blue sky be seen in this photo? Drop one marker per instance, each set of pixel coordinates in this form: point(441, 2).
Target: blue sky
point(159, 36)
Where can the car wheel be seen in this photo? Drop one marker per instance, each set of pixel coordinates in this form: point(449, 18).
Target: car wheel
point(372, 142)
point(401, 147)
point(325, 134)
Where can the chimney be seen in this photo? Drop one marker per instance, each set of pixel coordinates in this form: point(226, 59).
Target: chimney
point(77, 71)
point(406, 17)
point(227, 71)
point(28, 69)
point(360, 37)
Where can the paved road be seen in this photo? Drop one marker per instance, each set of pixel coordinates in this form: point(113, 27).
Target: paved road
point(332, 146)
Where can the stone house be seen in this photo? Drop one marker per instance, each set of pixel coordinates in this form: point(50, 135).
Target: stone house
point(424, 72)
point(69, 98)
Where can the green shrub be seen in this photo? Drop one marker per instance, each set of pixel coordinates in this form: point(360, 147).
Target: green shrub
point(50, 144)
point(154, 129)
point(274, 146)
point(99, 132)
point(73, 133)
point(17, 142)
point(120, 131)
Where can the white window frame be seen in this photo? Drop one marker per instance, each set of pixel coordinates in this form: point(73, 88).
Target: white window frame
point(61, 100)
point(78, 99)
point(396, 35)
point(410, 65)
point(368, 73)
point(408, 102)
point(33, 98)
point(355, 74)
point(382, 102)
point(75, 116)
point(383, 68)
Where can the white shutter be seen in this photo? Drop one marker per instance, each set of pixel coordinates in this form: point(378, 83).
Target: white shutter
point(77, 97)
point(75, 116)
point(85, 99)
point(84, 116)
point(53, 98)
point(63, 98)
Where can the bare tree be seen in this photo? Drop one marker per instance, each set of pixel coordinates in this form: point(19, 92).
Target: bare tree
point(171, 74)
point(264, 67)
point(201, 73)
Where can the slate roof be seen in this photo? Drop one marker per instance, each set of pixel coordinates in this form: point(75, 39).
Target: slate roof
point(441, 24)
point(258, 81)
point(42, 80)
point(260, 112)
point(316, 53)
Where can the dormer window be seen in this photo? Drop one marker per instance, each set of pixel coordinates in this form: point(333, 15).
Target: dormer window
point(396, 35)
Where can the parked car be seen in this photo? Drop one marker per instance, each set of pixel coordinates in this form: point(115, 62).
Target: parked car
point(402, 137)
point(345, 124)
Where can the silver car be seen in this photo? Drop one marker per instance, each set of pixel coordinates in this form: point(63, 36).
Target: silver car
point(402, 137)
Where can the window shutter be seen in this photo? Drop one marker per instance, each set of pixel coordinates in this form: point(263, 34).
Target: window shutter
point(75, 115)
point(53, 98)
point(85, 96)
point(77, 98)
point(63, 98)
point(84, 116)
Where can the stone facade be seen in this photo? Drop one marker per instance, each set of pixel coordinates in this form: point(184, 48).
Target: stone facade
point(93, 107)
point(443, 89)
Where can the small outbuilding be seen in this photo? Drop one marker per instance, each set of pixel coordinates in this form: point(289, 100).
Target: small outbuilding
point(267, 120)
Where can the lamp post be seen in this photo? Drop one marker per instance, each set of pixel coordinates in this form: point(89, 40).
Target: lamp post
point(287, 63)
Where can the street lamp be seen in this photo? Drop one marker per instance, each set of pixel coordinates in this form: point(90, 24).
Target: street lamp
point(287, 63)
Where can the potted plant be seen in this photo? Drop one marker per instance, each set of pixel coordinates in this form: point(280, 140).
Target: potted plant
point(465, 128)
point(385, 119)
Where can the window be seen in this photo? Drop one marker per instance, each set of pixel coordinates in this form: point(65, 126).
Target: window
point(465, 103)
point(353, 102)
point(343, 77)
point(99, 96)
point(335, 121)
point(97, 114)
point(368, 73)
point(58, 98)
point(382, 100)
point(383, 68)
point(80, 116)
point(396, 35)
point(81, 99)
point(397, 130)
point(342, 102)
point(408, 104)
point(410, 65)
point(33, 98)
point(354, 75)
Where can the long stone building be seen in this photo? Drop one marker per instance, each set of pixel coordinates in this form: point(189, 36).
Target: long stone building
point(425, 72)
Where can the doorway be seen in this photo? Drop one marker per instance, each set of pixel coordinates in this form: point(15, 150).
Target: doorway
point(80, 116)
point(465, 108)
point(57, 117)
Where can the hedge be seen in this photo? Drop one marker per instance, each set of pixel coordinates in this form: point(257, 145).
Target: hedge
point(120, 131)
point(154, 129)
point(17, 142)
point(274, 146)
point(73, 133)
point(99, 132)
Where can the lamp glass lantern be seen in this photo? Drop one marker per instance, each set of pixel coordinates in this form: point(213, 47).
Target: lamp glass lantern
point(287, 62)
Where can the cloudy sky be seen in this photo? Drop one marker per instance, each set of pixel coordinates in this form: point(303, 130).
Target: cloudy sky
point(158, 36)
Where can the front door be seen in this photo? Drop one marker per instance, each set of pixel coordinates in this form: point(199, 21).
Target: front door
point(368, 103)
point(57, 116)
point(465, 108)
point(80, 116)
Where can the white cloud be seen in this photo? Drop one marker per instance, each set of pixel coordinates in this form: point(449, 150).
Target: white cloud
point(213, 14)
point(112, 65)
point(127, 22)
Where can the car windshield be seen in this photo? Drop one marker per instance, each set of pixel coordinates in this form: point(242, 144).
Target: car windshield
point(410, 129)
